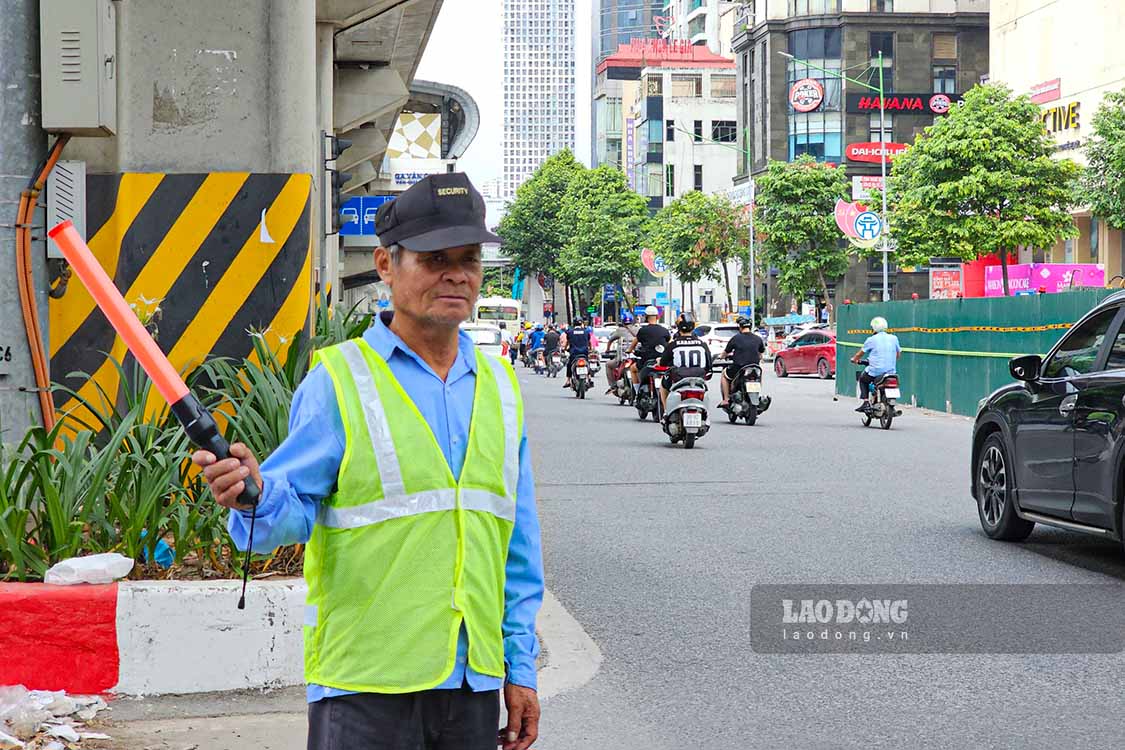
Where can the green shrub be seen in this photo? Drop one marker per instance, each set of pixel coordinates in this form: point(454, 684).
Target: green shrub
point(122, 481)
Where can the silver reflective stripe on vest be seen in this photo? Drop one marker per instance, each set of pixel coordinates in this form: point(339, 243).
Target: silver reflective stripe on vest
point(399, 506)
point(511, 425)
point(310, 615)
point(390, 475)
point(429, 501)
point(485, 501)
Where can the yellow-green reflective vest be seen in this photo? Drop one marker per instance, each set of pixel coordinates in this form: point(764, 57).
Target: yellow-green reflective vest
point(402, 553)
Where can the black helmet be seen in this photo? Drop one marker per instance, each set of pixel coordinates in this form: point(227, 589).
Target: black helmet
point(743, 321)
point(685, 325)
point(577, 322)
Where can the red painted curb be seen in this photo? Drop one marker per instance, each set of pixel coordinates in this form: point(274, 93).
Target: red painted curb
point(59, 637)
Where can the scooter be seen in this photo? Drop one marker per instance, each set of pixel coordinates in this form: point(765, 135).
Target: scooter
point(746, 400)
point(883, 397)
point(594, 362)
point(554, 364)
point(622, 386)
point(540, 362)
point(648, 399)
point(580, 380)
point(685, 417)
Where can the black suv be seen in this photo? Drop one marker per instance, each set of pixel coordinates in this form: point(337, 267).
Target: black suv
point(1049, 448)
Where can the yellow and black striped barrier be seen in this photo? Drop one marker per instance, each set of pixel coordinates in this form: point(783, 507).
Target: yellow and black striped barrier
point(220, 254)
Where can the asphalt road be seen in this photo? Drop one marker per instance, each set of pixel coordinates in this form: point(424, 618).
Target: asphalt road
point(654, 550)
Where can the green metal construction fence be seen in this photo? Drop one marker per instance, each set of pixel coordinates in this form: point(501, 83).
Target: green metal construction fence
point(955, 352)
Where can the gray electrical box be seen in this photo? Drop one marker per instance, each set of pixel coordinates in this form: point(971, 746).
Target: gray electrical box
point(78, 49)
point(66, 199)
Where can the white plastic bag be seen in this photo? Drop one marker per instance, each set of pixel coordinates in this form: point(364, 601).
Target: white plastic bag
point(106, 567)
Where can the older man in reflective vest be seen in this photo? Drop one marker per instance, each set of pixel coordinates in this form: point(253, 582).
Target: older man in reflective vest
point(406, 470)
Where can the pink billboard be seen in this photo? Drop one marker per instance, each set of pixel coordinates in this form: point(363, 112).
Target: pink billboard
point(1050, 277)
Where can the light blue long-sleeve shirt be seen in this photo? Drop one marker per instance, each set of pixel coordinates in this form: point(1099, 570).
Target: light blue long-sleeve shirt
point(303, 471)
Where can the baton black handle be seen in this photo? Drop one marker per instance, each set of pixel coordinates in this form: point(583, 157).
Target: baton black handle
point(201, 429)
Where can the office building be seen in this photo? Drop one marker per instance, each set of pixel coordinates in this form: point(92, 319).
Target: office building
point(538, 85)
point(932, 51)
point(1067, 78)
point(696, 21)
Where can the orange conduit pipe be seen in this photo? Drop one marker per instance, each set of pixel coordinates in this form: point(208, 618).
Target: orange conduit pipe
point(26, 283)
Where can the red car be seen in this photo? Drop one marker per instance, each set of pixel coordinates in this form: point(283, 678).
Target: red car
point(812, 352)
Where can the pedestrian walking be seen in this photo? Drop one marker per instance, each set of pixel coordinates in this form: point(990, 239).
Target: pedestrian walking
point(407, 473)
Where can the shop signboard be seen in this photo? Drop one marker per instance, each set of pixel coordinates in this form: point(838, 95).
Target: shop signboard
point(862, 185)
point(945, 283)
point(1048, 277)
point(1048, 91)
point(874, 152)
point(806, 95)
point(921, 104)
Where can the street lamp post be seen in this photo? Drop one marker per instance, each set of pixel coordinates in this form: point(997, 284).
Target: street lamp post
point(882, 144)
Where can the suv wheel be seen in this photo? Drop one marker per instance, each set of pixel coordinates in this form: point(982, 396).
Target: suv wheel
point(995, 488)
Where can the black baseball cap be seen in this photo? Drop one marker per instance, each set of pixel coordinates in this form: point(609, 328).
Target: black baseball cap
point(437, 212)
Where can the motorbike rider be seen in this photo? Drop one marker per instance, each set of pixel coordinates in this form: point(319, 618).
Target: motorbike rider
point(522, 339)
point(623, 335)
point(578, 345)
point(687, 355)
point(550, 342)
point(744, 348)
point(535, 343)
point(649, 336)
point(882, 351)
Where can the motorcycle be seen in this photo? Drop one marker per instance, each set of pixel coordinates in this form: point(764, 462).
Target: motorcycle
point(594, 362)
point(648, 398)
point(622, 386)
point(746, 399)
point(883, 397)
point(580, 380)
point(554, 364)
point(685, 415)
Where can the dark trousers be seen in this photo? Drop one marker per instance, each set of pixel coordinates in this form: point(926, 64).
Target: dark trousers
point(428, 720)
point(865, 382)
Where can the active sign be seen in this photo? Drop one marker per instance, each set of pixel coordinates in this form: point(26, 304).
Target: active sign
point(357, 216)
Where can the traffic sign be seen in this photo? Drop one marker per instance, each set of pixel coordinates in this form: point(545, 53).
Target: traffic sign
point(357, 216)
point(868, 225)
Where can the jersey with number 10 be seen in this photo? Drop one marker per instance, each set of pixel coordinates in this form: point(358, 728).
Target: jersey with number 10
point(688, 356)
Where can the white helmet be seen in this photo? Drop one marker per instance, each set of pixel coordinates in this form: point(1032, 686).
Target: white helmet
point(878, 324)
point(652, 312)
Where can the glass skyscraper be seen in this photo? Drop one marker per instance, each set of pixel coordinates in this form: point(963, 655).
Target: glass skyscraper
point(619, 21)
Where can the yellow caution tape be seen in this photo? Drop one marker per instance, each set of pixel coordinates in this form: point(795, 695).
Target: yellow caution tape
point(970, 329)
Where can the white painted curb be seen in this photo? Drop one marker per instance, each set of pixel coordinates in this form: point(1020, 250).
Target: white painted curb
point(189, 636)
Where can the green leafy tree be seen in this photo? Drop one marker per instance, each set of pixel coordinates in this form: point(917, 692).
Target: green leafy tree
point(697, 235)
point(1102, 186)
point(795, 218)
point(981, 181)
point(532, 230)
point(606, 223)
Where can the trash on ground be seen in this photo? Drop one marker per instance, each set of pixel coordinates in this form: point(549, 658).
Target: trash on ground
point(105, 567)
point(38, 719)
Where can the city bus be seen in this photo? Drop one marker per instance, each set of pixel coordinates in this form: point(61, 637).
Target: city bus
point(499, 309)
